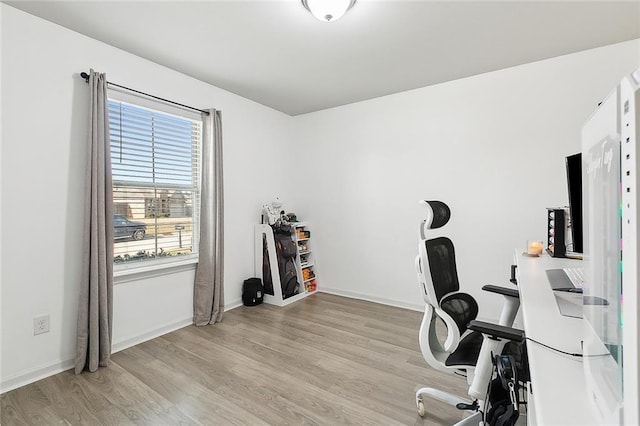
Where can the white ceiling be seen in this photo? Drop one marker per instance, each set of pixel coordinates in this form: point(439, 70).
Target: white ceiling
point(277, 54)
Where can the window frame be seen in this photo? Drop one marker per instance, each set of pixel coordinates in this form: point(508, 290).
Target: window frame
point(129, 271)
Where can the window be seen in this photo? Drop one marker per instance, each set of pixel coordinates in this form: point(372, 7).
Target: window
point(155, 160)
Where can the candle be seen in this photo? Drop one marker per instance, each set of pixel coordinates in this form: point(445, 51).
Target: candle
point(534, 247)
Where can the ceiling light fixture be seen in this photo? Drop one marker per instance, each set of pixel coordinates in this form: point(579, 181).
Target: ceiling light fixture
point(328, 10)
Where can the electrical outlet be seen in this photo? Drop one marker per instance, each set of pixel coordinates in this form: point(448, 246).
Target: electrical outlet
point(41, 324)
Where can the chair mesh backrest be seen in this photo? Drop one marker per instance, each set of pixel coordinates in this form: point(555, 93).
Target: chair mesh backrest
point(442, 265)
point(461, 307)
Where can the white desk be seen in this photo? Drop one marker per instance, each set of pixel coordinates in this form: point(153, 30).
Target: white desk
point(558, 389)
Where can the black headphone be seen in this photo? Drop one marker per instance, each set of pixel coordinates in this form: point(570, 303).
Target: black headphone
point(504, 411)
point(505, 364)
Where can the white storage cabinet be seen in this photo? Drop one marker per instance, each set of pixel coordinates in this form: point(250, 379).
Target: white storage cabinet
point(305, 262)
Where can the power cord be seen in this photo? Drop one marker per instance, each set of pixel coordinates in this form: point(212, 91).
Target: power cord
point(554, 349)
point(566, 353)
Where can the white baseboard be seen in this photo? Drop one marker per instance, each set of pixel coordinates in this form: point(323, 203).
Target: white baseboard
point(384, 301)
point(157, 332)
point(35, 374)
point(39, 373)
point(398, 304)
point(149, 334)
point(232, 304)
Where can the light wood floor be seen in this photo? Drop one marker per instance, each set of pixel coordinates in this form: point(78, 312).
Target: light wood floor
point(324, 360)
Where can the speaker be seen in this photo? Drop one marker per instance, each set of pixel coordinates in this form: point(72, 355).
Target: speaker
point(557, 232)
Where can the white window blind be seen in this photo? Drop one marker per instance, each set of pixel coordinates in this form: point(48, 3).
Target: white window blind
point(156, 173)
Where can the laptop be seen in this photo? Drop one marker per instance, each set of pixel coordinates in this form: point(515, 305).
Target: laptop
point(567, 279)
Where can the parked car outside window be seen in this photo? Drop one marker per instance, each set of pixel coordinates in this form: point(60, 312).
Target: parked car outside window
point(125, 228)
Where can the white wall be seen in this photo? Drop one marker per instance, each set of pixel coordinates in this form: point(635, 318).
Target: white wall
point(491, 146)
point(44, 115)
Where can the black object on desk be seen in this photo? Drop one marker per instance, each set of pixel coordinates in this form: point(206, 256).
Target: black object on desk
point(559, 281)
point(594, 300)
point(556, 227)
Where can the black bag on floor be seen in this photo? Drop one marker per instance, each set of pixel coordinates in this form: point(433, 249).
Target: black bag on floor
point(252, 292)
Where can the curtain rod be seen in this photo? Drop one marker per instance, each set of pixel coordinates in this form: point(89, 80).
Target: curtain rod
point(85, 76)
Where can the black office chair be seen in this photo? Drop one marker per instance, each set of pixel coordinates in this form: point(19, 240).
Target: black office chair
point(465, 350)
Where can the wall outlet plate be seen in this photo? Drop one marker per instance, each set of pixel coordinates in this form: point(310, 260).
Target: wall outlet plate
point(40, 324)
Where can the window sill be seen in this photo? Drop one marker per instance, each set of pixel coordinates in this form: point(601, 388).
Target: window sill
point(153, 268)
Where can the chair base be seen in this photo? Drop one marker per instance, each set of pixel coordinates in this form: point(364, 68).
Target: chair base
point(474, 419)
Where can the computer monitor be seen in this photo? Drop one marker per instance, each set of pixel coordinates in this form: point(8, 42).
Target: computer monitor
point(611, 180)
point(574, 185)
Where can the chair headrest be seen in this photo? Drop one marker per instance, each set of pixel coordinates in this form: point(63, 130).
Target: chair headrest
point(438, 214)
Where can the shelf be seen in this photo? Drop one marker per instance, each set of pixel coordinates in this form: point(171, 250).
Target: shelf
point(305, 262)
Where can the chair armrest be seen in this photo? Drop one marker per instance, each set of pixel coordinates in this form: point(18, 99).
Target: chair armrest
point(513, 279)
point(501, 290)
point(497, 331)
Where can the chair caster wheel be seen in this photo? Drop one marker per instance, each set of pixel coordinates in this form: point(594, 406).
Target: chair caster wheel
point(421, 410)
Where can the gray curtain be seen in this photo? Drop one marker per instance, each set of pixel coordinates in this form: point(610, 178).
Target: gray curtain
point(208, 293)
point(95, 310)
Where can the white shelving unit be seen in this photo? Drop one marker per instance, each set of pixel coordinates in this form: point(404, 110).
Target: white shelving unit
point(305, 261)
point(307, 280)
